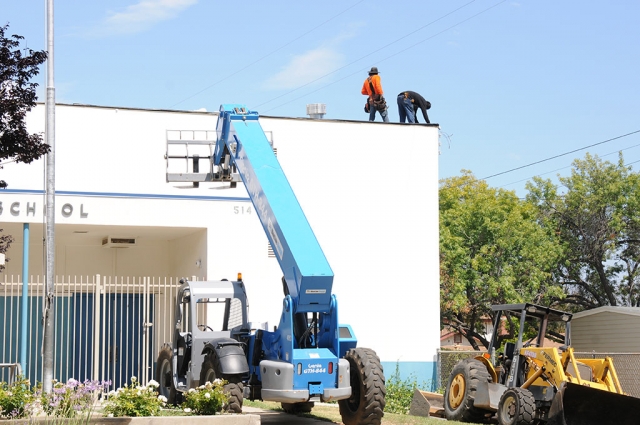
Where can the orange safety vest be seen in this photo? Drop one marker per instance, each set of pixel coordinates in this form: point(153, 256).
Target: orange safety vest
point(377, 86)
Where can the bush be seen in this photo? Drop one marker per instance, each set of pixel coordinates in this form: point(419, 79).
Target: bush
point(207, 399)
point(15, 399)
point(135, 400)
point(399, 393)
point(71, 399)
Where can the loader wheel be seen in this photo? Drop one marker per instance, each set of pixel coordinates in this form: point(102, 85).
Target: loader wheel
point(460, 392)
point(517, 407)
point(367, 401)
point(295, 408)
point(164, 375)
point(233, 389)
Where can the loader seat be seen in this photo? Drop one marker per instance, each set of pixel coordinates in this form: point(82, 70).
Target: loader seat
point(585, 371)
point(509, 348)
point(184, 342)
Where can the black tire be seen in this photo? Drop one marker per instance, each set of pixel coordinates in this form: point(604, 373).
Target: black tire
point(211, 371)
point(164, 375)
point(460, 391)
point(234, 390)
point(367, 401)
point(517, 407)
point(295, 408)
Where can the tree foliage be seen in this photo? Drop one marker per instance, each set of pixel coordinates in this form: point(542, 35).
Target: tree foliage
point(493, 250)
point(596, 214)
point(17, 97)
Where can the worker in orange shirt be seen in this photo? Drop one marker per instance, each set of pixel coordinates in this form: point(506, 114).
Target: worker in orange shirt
point(375, 101)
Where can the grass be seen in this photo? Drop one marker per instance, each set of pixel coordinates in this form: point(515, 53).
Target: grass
point(331, 414)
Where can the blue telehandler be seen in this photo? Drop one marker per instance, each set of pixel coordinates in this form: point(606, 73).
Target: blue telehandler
point(310, 356)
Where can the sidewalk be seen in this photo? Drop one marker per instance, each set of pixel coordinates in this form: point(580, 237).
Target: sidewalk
point(277, 417)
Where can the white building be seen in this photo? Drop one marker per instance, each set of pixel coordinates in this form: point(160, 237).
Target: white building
point(369, 191)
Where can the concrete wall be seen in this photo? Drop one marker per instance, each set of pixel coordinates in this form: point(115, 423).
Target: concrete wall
point(369, 191)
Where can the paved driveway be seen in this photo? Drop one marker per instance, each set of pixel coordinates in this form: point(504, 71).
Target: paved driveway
point(280, 418)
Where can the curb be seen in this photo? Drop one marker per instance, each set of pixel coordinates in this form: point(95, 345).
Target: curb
point(151, 420)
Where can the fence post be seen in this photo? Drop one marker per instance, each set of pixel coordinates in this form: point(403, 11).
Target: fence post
point(97, 290)
point(438, 369)
point(145, 331)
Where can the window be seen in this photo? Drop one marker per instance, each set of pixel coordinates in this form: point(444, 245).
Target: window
point(457, 339)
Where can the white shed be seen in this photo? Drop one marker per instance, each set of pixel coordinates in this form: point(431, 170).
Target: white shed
point(607, 329)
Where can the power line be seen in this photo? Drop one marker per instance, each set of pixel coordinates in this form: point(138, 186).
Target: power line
point(560, 155)
point(382, 60)
point(268, 54)
point(553, 157)
point(358, 60)
point(569, 166)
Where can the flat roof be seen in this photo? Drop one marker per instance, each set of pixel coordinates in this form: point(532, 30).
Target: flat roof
point(179, 111)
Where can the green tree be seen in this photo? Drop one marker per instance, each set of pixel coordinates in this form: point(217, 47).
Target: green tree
point(596, 214)
point(492, 251)
point(17, 97)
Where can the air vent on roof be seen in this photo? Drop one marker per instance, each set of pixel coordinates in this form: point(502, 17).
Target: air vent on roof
point(316, 110)
point(270, 253)
point(113, 242)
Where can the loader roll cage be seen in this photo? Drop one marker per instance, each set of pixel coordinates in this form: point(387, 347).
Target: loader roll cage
point(531, 313)
point(540, 316)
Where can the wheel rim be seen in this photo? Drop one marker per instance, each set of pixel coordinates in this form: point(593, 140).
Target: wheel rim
point(353, 402)
point(509, 409)
point(457, 390)
point(210, 376)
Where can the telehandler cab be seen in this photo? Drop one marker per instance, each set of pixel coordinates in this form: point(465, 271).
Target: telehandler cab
point(528, 383)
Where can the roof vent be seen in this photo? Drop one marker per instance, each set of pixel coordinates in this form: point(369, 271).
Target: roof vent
point(316, 110)
point(113, 242)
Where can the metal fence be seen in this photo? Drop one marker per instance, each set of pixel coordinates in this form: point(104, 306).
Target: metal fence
point(627, 365)
point(106, 328)
point(447, 360)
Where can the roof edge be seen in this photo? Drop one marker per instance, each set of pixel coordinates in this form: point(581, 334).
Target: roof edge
point(178, 111)
point(632, 311)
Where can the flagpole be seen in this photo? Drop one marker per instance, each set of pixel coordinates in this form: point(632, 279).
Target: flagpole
point(49, 298)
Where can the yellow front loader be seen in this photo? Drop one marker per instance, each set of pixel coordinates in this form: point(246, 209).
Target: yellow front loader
point(529, 383)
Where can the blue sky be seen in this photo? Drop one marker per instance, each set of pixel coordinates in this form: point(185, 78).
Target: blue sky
point(511, 82)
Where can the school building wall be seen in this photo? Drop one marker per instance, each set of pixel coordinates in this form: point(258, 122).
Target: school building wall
point(369, 191)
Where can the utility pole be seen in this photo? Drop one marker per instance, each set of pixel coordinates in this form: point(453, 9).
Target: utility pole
point(48, 314)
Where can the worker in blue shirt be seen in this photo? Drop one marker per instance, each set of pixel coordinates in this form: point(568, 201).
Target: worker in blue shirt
point(408, 104)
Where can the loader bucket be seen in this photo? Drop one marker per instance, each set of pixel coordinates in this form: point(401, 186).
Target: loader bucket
point(580, 405)
point(425, 403)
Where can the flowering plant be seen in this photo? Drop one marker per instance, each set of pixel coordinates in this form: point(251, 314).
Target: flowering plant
point(15, 399)
point(135, 400)
point(70, 399)
point(207, 399)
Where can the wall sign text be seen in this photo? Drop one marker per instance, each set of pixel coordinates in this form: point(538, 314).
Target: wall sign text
point(27, 209)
